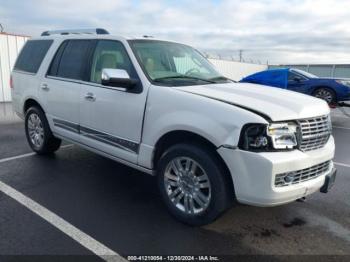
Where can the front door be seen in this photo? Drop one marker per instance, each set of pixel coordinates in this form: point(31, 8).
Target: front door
point(111, 118)
point(296, 82)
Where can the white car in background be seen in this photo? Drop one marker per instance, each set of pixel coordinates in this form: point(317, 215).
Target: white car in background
point(162, 108)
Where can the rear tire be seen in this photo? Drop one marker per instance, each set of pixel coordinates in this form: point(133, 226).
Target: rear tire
point(193, 185)
point(326, 94)
point(38, 132)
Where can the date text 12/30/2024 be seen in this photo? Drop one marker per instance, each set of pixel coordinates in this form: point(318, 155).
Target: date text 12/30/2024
point(173, 258)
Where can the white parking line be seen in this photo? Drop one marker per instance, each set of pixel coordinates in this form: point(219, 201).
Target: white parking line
point(342, 127)
point(83, 239)
point(16, 157)
point(342, 164)
point(25, 155)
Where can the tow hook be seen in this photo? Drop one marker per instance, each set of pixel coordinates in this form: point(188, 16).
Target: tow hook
point(302, 200)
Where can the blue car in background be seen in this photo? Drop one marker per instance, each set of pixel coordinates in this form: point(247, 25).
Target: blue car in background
point(331, 90)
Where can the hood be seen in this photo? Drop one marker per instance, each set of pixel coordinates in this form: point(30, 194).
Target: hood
point(277, 104)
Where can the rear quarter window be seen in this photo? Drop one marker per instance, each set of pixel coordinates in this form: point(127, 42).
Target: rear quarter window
point(32, 55)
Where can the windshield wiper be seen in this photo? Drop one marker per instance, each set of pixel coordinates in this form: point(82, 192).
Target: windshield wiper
point(221, 78)
point(183, 76)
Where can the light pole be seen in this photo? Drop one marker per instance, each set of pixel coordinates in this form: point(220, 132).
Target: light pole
point(240, 55)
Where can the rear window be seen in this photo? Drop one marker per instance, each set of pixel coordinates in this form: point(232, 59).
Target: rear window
point(32, 54)
point(70, 60)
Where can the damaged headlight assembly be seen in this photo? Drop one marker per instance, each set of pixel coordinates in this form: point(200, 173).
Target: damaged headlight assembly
point(271, 137)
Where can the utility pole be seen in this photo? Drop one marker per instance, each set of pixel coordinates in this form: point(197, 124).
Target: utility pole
point(1, 28)
point(240, 55)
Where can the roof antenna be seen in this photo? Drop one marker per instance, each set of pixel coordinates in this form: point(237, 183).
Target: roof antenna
point(148, 36)
point(1, 28)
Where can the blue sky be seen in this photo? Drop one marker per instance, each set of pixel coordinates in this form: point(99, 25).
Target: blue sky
point(280, 31)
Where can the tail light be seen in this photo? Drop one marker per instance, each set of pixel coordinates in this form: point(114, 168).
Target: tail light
point(11, 82)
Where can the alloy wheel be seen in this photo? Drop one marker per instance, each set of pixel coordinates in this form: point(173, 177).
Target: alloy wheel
point(187, 185)
point(35, 130)
point(325, 95)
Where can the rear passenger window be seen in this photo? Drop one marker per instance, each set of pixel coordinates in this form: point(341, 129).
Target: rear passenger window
point(32, 54)
point(70, 59)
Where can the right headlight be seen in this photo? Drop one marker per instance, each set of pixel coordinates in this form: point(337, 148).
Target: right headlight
point(283, 135)
point(271, 137)
point(343, 82)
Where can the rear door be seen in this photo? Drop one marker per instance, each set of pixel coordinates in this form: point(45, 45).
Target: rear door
point(111, 117)
point(61, 88)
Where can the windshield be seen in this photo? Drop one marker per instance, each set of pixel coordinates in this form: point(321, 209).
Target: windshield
point(304, 73)
point(169, 63)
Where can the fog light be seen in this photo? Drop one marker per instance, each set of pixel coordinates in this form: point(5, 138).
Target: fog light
point(289, 177)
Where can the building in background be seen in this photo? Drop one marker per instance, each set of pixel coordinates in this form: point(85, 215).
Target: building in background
point(10, 45)
point(321, 70)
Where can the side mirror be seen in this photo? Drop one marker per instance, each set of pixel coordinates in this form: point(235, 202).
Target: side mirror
point(117, 78)
point(297, 79)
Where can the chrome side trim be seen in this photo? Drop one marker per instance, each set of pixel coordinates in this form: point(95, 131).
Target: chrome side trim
point(109, 139)
point(66, 125)
point(100, 152)
point(99, 136)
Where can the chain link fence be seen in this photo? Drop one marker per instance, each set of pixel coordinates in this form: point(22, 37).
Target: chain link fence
point(233, 57)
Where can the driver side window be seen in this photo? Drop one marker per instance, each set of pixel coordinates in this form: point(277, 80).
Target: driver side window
point(109, 54)
point(292, 76)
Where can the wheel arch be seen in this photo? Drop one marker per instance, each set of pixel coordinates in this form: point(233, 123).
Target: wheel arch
point(182, 136)
point(29, 102)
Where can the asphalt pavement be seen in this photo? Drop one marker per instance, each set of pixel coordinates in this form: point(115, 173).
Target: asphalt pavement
point(120, 208)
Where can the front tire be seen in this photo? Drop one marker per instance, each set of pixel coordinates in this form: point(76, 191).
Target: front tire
point(193, 184)
point(38, 132)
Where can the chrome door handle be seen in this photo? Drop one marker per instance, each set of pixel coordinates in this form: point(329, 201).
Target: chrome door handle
point(90, 97)
point(45, 87)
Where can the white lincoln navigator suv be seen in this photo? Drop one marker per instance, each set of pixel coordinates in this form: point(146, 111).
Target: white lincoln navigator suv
point(162, 108)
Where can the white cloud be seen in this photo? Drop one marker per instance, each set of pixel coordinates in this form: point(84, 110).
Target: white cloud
point(281, 31)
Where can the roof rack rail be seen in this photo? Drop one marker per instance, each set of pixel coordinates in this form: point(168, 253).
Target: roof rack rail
point(97, 31)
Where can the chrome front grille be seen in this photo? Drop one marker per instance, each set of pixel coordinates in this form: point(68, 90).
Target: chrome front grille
point(314, 132)
point(296, 177)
